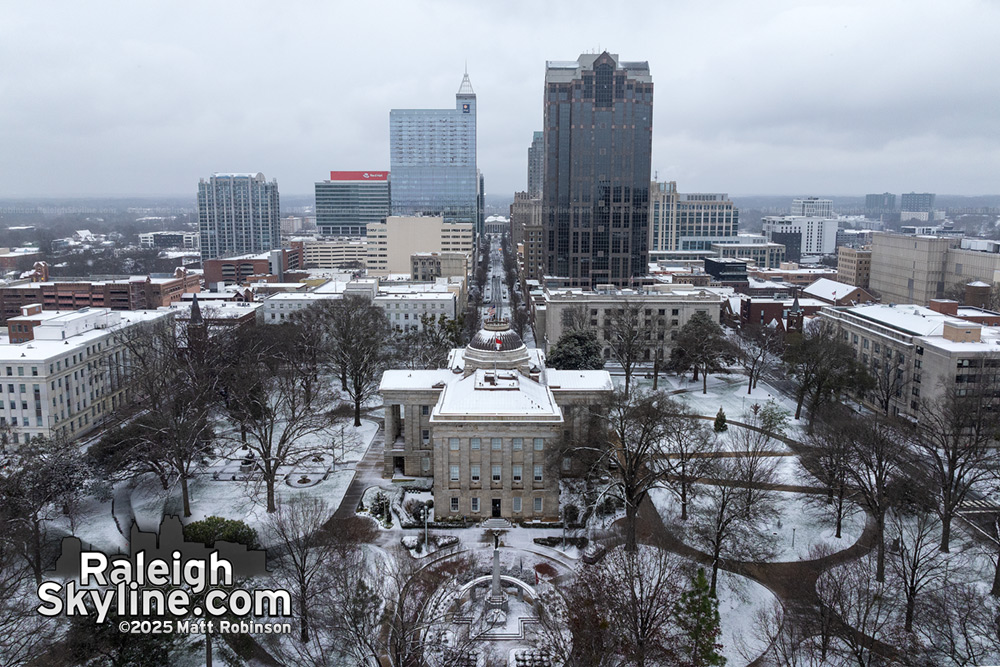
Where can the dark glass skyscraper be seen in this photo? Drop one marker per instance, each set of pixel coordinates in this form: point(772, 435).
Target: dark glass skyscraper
point(536, 165)
point(598, 138)
point(432, 157)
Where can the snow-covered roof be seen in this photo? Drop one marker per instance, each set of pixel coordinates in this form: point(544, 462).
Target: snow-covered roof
point(506, 394)
point(908, 318)
point(558, 380)
point(827, 289)
point(404, 380)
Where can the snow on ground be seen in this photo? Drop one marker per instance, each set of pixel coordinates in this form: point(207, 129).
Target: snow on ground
point(740, 601)
point(789, 470)
point(810, 525)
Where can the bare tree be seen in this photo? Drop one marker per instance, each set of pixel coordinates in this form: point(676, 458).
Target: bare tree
point(833, 447)
point(627, 337)
point(758, 348)
point(22, 630)
point(958, 625)
point(865, 605)
point(700, 345)
point(888, 379)
point(306, 548)
point(788, 643)
point(917, 564)
point(359, 334)
point(575, 318)
point(629, 444)
point(688, 448)
point(755, 465)
point(955, 434)
point(875, 457)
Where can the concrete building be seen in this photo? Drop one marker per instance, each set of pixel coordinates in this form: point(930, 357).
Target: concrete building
point(670, 305)
point(812, 207)
point(526, 231)
point(390, 243)
point(793, 274)
point(186, 240)
point(347, 202)
point(817, 236)
point(916, 206)
point(923, 352)
point(598, 137)
point(484, 428)
point(432, 157)
point(536, 165)
point(432, 265)
point(253, 267)
point(689, 221)
point(854, 266)
point(835, 293)
point(334, 253)
point(133, 293)
point(67, 371)
point(238, 214)
point(753, 248)
point(497, 225)
point(880, 207)
point(909, 269)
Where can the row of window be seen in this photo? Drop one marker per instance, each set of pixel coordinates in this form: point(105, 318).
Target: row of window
point(517, 444)
point(515, 504)
point(495, 473)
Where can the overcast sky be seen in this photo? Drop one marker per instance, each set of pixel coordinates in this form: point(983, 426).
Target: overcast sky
point(144, 98)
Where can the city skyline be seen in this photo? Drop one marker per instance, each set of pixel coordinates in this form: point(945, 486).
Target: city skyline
point(784, 98)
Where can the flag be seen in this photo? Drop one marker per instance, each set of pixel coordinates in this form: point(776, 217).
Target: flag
point(499, 343)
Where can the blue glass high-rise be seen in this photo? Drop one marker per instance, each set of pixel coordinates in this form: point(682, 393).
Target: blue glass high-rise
point(432, 154)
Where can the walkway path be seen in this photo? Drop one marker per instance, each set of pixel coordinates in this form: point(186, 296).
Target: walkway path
point(367, 472)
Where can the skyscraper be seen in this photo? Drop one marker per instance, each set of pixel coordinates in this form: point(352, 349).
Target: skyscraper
point(432, 157)
point(598, 138)
point(536, 165)
point(689, 221)
point(347, 202)
point(813, 207)
point(238, 214)
point(879, 206)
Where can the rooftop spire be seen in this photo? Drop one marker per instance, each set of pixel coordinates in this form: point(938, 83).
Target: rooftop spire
point(466, 87)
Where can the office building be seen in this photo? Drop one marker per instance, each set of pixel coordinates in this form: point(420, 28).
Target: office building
point(486, 427)
point(393, 241)
point(347, 202)
point(598, 139)
point(812, 207)
point(432, 157)
point(668, 309)
point(880, 207)
point(917, 202)
point(754, 248)
point(854, 266)
point(66, 371)
point(185, 240)
point(340, 253)
point(689, 221)
point(255, 267)
point(816, 236)
point(536, 165)
point(238, 214)
point(434, 265)
point(526, 231)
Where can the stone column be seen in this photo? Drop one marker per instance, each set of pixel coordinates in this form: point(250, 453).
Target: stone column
point(390, 426)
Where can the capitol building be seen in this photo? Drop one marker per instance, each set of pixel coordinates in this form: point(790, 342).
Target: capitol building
point(488, 427)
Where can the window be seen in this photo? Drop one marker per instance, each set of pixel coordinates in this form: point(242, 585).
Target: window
point(496, 473)
point(425, 410)
point(567, 463)
point(453, 470)
point(474, 443)
point(34, 370)
point(22, 388)
point(474, 472)
point(539, 443)
point(20, 370)
point(495, 443)
point(517, 444)
point(425, 464)
point(538, 473)
point(538, 505)
point(475, 504)
point(516, 471)
point(425, 436)
point(453, 444)
point(454, 504)
point(516, 503)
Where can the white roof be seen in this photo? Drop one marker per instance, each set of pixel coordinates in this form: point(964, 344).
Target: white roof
point(402, 380)
point(510, 396)
point(908, 318)
point(827, 289)
point(578, 380)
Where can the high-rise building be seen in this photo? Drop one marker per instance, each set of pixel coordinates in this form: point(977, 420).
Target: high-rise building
point(238, 214)
point(689, 221)
point(536, 165)
point(432, 157)
point(347, 202)
point(813, 207)
point(878, 207)
point(816, 236)
point(916, 206)
point(598, 137)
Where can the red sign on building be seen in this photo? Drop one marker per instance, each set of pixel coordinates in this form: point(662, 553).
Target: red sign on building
point(359, 175)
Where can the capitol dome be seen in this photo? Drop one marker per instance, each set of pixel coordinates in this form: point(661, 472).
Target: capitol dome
point(483, 352)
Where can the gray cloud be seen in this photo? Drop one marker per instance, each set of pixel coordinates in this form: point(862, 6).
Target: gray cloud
point(774, 97)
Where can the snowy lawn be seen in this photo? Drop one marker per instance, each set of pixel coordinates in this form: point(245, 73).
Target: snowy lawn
point(809, 524)
point(740, 601)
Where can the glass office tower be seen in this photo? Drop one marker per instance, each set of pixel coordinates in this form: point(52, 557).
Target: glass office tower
point(598, 137)
point(432, 157)
point(347, 202)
